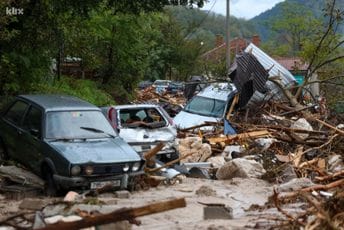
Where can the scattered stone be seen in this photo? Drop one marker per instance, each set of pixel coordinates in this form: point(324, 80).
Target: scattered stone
point(205, 191)
point(72, 197)
point(33, 204)
point(123, 194)
point(120, 225)
point(335, 163)
point(265, 143)
point(194, 144)
point(21, 176)
point(217, 161)
point(39, 221)
point(19, 192)
point(53, 210)
point(288, 174)
point(302, 123)
point(217, 212)
point(240, 168)
point(295, 185)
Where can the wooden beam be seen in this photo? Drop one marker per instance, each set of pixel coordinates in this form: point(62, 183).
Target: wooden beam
point(242, 136)
point(118, 215)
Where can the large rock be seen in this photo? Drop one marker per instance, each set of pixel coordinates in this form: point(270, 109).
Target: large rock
point(302, 123)
point(217, 161)
point(295, 185)
point(240, 167)
point(194, 144)
point(335, 163)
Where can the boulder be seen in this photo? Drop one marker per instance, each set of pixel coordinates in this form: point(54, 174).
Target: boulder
point(302, 123)
point(295, 185)
point(240, 167)
point(335, 163)
point(217, 161)
point(194, 144)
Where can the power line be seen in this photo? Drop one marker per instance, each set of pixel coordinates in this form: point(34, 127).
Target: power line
point(201, 22)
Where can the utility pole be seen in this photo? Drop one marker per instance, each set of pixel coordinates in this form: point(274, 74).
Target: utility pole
point(228, 48)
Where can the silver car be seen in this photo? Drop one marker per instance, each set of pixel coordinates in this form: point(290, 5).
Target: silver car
point(210, 104)
point(143, 126)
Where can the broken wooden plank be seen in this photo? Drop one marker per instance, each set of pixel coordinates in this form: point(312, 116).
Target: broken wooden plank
point(170, 163)
point(334, 184)
point(242, 136)
point(152, 152)
point(118, 215)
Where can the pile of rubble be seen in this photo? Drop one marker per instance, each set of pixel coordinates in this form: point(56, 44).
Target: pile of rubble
point(296, 150)
point(171, 102)
point(300, 151)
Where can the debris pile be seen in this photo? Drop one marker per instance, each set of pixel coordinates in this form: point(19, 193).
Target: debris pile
point(171, 102)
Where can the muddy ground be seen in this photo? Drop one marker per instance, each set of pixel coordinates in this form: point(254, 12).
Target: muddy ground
point(241, 195)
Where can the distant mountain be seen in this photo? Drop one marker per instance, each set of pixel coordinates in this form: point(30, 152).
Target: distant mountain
point(263, 21)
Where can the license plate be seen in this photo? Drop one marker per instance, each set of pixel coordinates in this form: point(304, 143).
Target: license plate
point(100, 184)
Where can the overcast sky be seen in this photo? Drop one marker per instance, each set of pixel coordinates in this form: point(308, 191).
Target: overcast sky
point(241, 8)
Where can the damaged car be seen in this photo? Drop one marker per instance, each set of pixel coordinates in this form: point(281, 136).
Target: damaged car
point(143, 126)
point(68, 142)
point(209, 105)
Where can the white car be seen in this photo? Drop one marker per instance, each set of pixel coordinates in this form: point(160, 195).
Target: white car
point(143, 126)
point(210, 104)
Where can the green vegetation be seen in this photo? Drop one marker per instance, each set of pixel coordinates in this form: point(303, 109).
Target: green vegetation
point(123, 42)
point(84, 89)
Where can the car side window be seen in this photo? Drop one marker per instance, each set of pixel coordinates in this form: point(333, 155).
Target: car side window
point(16, 112)
point(33, 120)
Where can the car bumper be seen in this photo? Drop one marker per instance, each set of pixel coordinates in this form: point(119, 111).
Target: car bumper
point(85, 182)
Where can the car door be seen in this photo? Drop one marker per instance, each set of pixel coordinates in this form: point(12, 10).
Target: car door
point(11, 130)
point(32, 136)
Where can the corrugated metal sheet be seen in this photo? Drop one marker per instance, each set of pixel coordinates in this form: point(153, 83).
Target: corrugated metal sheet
point(249, 68)
point(275, 69)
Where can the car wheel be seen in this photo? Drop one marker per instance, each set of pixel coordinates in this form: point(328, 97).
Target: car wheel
point(3, 153)
point(51, 189)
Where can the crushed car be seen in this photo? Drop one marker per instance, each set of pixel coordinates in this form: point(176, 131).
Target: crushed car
point(143, 126)
point(68, 142)
point(209, 105)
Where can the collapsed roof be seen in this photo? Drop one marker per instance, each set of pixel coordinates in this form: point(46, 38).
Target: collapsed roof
point(250, 73)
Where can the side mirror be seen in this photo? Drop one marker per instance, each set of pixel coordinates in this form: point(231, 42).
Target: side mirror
point(35, 132)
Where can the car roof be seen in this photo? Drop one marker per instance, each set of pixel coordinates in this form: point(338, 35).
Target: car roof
point(55, 102)
point(135, 106)
point(219, 91)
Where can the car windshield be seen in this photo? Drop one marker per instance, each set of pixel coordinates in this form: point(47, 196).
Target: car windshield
point(142, 117)
point(206, 106)
point(77, 124)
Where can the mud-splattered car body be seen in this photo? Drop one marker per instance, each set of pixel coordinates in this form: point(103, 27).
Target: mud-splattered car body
point(66, 141)
point(143, 126)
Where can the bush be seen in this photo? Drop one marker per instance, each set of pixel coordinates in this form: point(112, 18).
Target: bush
point(81, 88)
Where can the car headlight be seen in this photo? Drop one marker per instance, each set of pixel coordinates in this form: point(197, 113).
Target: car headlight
point(89, 170)
point(136, 166)
point(75, 170)
point(126, 167)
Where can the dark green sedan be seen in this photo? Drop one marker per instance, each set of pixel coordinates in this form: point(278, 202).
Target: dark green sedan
point(66, 141)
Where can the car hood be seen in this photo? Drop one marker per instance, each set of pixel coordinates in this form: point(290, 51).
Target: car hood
point(142, 135)
point(96, 151)
point(185, 120)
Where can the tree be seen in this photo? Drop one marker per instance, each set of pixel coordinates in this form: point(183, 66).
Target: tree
point(290, 28)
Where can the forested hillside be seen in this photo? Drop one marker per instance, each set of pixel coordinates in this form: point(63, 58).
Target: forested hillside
point(263, 23)
point(206, 25)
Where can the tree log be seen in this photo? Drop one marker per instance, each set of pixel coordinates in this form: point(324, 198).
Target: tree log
point(118, 215)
